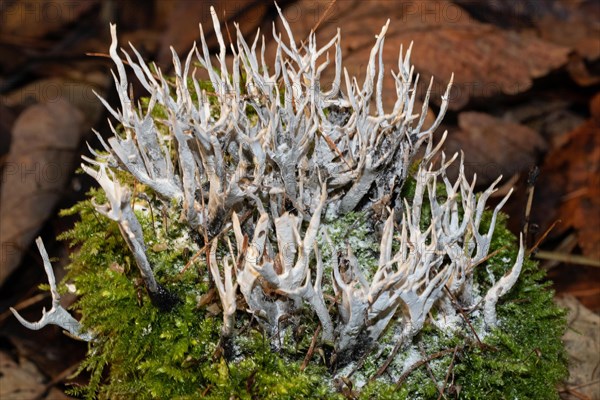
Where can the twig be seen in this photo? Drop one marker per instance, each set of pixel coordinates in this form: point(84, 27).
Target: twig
point(492, 254)
point(565, 246)
point(335, 149)
point(311, 349)
point(205, 392)
point(584, 384)
point(321, 19)
point(57, 379)
point(420, 363)
point(430, 372)
point(575, 393)
point(325, 15)
point(389, 360)
point(459, 308)
point(567, 258)
point(359, 364)
point(533, 174)
point(541, 239)
point(450, 368)
point(313, 342)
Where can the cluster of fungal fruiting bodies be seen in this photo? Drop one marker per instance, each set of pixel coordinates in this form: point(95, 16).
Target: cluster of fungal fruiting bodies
point(258, 160)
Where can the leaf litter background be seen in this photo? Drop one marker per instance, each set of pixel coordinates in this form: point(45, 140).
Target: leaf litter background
point(527, 93)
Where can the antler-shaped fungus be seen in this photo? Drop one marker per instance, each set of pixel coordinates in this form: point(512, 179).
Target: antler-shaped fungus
point(57, 314)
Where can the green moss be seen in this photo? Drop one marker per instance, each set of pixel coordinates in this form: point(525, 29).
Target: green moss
point(529, 358)
point(142, 353)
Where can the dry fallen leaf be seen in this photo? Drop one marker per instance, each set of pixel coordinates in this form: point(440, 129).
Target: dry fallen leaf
point(55, 394)
point(493, 146)
point(7, 118)
point(20, 379)
point(24, 20)
point(79, 93)
point(582, 341)
point(581, 206)
point(569, 185)
point(42, 154)
point(571, 23)
point(182, 28)
point(486, 61)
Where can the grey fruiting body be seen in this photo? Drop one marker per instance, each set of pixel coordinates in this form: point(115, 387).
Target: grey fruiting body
point(304, 151)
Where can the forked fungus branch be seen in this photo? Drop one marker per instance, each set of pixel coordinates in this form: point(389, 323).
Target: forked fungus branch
point(274, 142)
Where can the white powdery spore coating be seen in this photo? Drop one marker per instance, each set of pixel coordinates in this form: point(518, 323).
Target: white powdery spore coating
point(413, 356)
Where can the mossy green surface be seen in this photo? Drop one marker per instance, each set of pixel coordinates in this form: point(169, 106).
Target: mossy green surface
point(142, 353)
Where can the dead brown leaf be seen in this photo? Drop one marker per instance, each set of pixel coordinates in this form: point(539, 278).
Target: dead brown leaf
point(569, 23)
point(581, 206)
point(7, 118)
point(24, 20)
point(552, 116)
point(486, 60)
point(582, 341)
point(580, 73)
point(569, 186)
point(493, 146)
point(182, 27)
point(79, 93)
point(19, 379)
point(42, 152)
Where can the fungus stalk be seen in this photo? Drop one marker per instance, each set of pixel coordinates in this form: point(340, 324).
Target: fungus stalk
point(119, 210)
